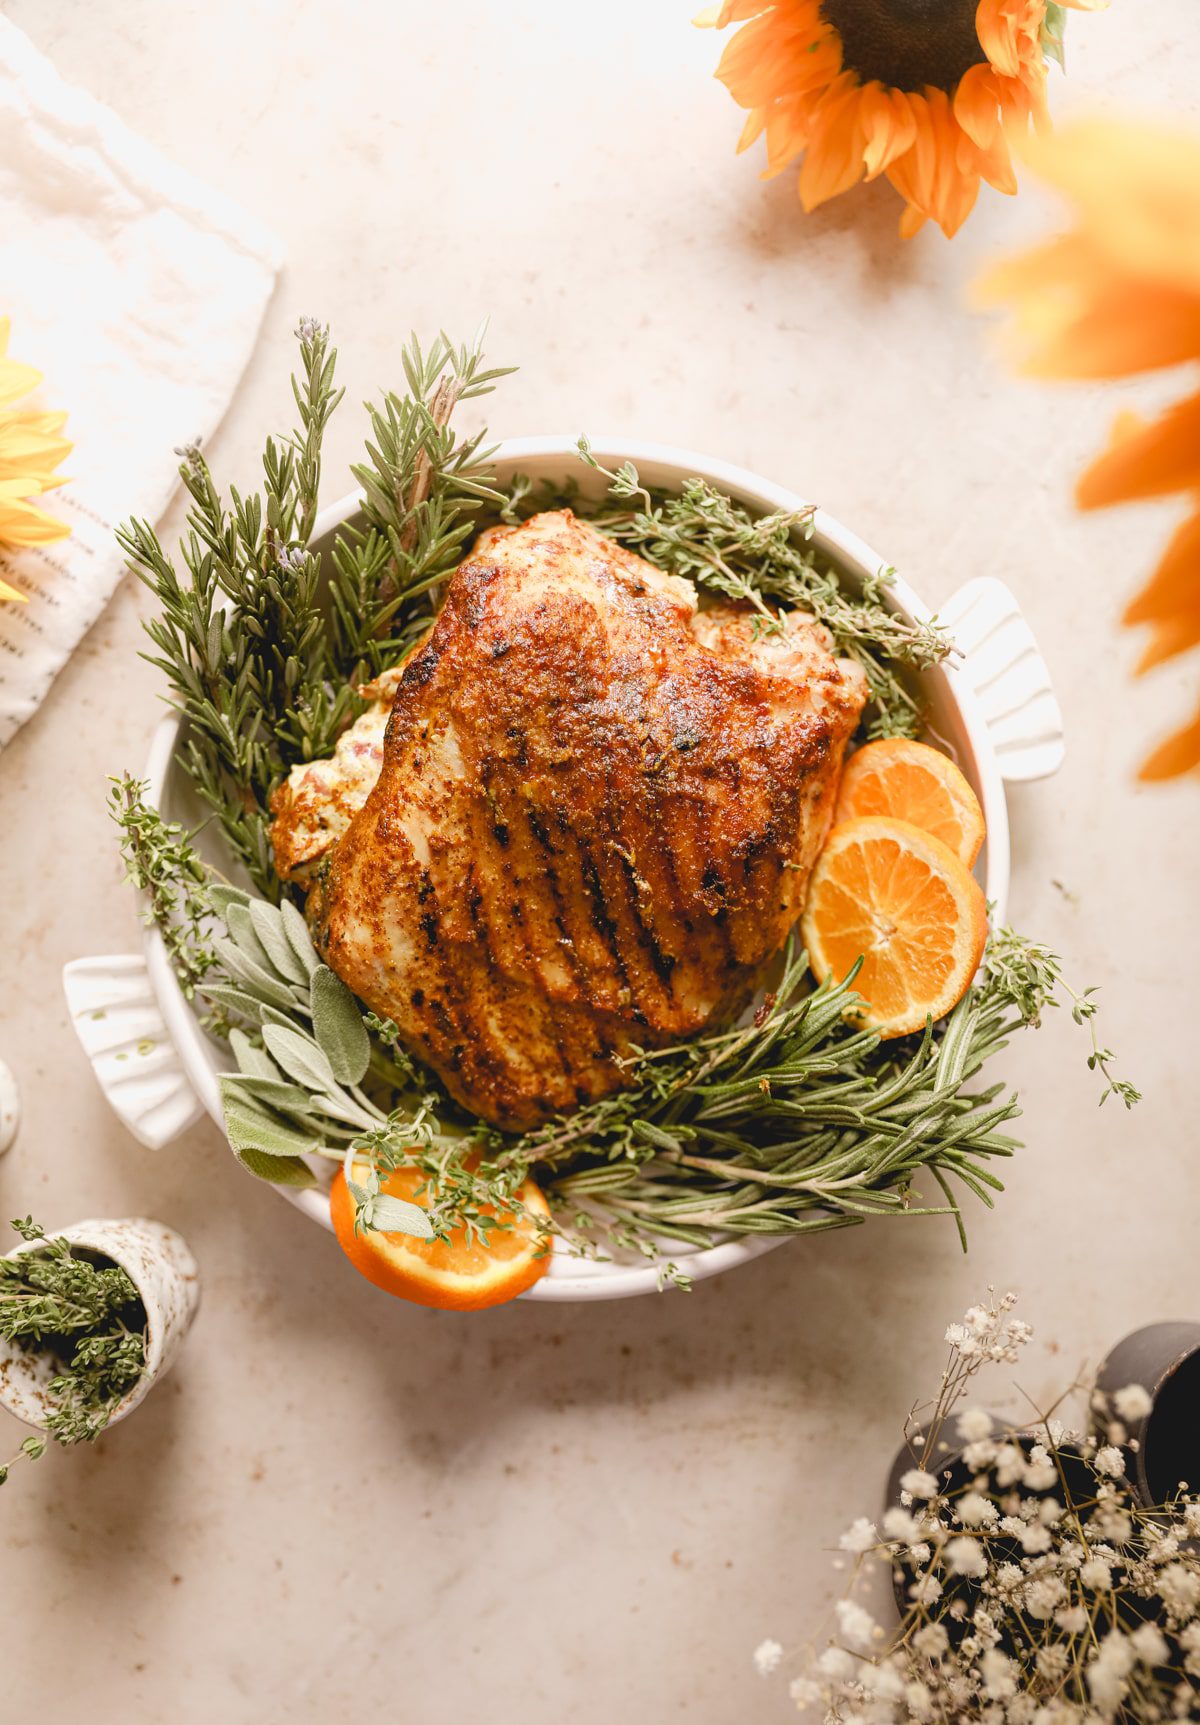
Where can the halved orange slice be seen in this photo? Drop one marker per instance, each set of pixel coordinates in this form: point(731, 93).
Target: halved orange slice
point(454, 1274)
point(899, 898)
point(912, 782)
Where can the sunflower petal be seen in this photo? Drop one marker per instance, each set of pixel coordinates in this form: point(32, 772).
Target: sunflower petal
point(833, 158)
point(16, 380)
point(22, 524)
point(12, 593)
point(1174, 587)
point(1179, 754)
point(1161, 458)
point(888, 126)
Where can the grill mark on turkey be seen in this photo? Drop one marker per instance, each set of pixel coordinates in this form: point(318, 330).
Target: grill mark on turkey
point(420, 668)
point(604, 926)
point(662, 961)
point(495, 779)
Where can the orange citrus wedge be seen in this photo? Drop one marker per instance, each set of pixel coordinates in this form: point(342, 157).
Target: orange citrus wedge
point(901, 899)
point(912, 782)
point(454, 1275)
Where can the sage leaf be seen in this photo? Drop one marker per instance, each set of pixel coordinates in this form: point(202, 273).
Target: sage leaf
point(279, 1170)
point(234, 1000)
point(300, 1058)
point(274, 1092)
point(243, 933)
point(339, 1027)
point(256, 980)
point(254, 1061)
point(221, 897)
point(268, 926)
point(398, 1216)
point(250, 1126)
point(298, 937)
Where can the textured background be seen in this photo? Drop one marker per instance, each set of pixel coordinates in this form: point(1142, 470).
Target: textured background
point(338, 1503)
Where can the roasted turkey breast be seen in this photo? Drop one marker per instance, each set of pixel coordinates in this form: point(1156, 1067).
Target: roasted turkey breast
point(580, 818)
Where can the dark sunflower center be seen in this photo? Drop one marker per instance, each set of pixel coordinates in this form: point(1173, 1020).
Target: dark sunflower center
point(906, 43)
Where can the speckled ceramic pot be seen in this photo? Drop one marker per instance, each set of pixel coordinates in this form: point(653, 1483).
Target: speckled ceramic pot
point(162, 1269)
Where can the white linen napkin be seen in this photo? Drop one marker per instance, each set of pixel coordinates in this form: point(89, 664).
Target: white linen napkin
point(138, 292)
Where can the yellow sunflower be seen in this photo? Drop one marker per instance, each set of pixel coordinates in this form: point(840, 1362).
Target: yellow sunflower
point(1118, 294)
point(30, 450)
point(920, 90)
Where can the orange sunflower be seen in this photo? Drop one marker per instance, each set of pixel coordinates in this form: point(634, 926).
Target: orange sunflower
point(920, 90)
point(1120, 294)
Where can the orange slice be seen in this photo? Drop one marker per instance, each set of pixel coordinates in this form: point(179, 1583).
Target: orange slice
point(901, 899)
point(454, 1274)
point(912, 782)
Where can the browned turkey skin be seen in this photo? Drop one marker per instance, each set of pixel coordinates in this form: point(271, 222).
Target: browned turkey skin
point(588, 823)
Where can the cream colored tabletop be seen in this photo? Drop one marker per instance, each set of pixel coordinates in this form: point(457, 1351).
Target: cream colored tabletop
point(340, 1505)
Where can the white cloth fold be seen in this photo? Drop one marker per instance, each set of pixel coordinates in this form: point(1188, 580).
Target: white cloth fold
point(138, 292)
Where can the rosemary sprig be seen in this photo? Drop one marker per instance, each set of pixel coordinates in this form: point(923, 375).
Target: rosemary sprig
point(265, 677)
point(795, 1123)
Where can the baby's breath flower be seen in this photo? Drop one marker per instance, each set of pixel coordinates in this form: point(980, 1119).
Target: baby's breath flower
point(859, 1536)
point(918, 1700)
point(974, 1424)
point(1109, 1460)
point(1072, 1619)
point(1096, 1575)
point(1179, 1587)
point(1010, 1464)
point(1035, 1538)
point(858, 1628)
point(1108, 1670)
point(837, 1664)
point(1133, 1402)
point(932, 1641)
point(1150, 1644)
point(999, 1675)
point(804, 1692)
point(766, 1657)
point(965, 1556)
point(975, 1510)
point(900, 1524)
point(1052, 1661)
point(917, 1483)
point(980, 1455)
point(1043, 1595)
point(1040, 1472)
point(926, 1590)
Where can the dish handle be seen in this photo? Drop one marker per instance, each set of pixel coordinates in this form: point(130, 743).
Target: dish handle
point(998, 658)
point(116, 1018)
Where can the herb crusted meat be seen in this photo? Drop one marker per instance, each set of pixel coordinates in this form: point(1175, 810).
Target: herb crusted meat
point(588, 825)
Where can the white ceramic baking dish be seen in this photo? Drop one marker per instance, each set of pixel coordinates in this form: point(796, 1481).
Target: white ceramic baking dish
point(990, 705)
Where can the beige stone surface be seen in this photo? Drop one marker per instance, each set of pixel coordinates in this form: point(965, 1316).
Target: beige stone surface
point(338, 1504)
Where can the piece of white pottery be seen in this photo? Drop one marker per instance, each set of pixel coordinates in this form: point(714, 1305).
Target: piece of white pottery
point(160, 1265)
point(990, 705)
point(10, 1108)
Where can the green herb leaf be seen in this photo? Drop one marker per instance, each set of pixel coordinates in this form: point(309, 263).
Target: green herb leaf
point(269, 927)
point(339, 1027)
point(255, 1062)
point(252, 976)
point(397, 1216)
point(279, 1170)
point(299, 939)
point(300, 1057)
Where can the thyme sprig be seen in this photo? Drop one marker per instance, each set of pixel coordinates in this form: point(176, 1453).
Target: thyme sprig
point(91, 1317)
point(797, 1122)
point(769, 562)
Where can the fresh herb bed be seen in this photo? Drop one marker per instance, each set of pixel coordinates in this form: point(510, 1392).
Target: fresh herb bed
point(794, 1124)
